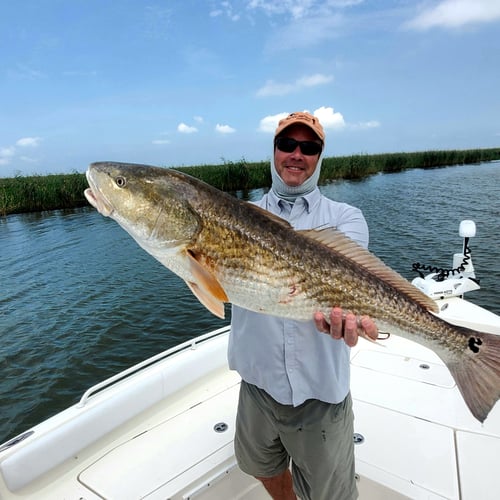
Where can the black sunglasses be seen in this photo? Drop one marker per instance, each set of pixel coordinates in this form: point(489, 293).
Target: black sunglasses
point(288, 145)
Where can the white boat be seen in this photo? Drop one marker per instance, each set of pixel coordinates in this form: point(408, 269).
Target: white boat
point(164, 428)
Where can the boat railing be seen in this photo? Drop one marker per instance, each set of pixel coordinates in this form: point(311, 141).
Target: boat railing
point(189, 344)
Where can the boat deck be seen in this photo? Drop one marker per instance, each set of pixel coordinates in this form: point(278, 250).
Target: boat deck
point(164, 429)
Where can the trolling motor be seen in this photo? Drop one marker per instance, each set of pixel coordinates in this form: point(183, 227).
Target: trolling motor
point(442, 283)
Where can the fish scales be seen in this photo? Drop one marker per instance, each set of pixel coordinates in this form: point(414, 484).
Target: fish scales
point(227, 250)
point(250, 261)
point(277, 261)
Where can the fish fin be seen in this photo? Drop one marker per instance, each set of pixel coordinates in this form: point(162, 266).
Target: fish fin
point(215, 306)
point(477, 374)
point(206, 287)
point(343, 245)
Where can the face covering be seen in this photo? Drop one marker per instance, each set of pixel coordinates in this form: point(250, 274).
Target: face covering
point(291, 193)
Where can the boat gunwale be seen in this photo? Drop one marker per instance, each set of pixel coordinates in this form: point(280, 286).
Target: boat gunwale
point(147, 363)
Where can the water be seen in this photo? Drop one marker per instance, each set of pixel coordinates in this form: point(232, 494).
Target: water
point(80, 301)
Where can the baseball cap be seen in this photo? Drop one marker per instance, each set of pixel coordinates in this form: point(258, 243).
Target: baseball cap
point(304, 118)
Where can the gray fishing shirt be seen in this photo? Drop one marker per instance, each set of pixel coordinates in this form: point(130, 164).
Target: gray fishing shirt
point(290, 359)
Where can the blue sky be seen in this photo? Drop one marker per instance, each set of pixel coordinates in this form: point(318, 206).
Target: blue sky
point(192, 82)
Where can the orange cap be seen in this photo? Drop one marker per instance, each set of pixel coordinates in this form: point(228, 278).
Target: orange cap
point(301, 117)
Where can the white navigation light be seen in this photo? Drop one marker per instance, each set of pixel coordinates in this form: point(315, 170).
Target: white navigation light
point(467, 229)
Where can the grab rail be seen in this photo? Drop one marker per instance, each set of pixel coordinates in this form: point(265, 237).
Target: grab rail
point(189, 344)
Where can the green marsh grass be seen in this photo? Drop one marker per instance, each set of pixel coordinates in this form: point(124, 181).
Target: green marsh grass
point(38, 193)
point(51, 192)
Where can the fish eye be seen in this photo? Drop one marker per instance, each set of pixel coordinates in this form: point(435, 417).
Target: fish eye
point(121, 181)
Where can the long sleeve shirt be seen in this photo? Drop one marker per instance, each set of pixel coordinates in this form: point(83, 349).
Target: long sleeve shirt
point(291, 360)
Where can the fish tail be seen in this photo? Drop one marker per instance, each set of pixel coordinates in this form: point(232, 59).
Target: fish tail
point(477, 374)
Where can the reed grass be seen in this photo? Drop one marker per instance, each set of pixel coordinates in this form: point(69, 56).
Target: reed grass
point(243, 175)
point(38, 193)
point(359, 166)
point(232, 176)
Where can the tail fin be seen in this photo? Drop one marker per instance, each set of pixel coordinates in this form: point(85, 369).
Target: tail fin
point(477, 374)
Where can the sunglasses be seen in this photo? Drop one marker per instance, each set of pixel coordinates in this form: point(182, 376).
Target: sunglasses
point(288, 145)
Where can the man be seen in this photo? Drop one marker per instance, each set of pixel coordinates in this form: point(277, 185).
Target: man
point(294, 398)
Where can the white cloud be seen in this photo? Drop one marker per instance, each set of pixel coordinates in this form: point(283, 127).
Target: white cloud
point(160, 141)
point(8, 153)
point(27, 159)
point(271, 88)
point(227, 9)
point(224, 129)
point(31, 142)
point(456, 13)
point(329, 118)
point(304, 33)
point(269, 123)
point(23, 72)
point(314, 80)
point(298, 9)
point(198, 119)
point(80, 73)
point(365, 125)
point(186, 129)
point(294, 23)
point(344, 3)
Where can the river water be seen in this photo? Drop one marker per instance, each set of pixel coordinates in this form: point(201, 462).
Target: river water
point(80, 301)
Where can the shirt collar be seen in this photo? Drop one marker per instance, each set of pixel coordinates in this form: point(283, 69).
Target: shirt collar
point(310, 200)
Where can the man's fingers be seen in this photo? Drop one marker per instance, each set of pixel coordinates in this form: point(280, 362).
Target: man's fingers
point(336, 323)
point(369, 327)
point(321, 323)
point(351, 330)
point(347, 326)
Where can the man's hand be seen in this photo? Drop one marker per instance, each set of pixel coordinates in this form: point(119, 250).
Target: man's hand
point(346, 326)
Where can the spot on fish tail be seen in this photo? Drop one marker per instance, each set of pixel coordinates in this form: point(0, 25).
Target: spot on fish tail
point(474, 342)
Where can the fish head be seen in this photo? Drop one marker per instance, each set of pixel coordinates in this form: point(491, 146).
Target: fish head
point(152, 204)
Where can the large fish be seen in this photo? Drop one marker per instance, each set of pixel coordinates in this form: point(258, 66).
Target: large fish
point(227, 250)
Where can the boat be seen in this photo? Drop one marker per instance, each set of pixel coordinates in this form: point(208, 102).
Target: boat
point(163, 429)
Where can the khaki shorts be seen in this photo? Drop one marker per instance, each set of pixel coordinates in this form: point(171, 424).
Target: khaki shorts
point(317, 437)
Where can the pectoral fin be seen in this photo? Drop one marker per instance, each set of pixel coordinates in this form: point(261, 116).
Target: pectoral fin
point(215, 306)
point(206, 287)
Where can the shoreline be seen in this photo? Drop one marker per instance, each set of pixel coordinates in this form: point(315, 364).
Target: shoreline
point(39, 193)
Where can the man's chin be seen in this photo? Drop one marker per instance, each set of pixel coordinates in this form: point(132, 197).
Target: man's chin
point(294, 180)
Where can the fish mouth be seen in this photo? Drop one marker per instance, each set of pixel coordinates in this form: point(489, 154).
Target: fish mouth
point(96, 198)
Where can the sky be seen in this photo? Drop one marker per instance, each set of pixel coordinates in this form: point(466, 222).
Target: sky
point(194, 82)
